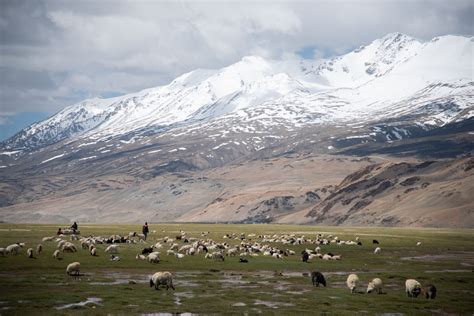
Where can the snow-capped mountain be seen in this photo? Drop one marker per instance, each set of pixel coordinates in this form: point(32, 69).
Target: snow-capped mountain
point(359, 86)
point(258, 140)
point(393, 76)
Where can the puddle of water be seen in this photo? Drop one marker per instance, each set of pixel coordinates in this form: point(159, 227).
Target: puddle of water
point(169, 314)
point(272, 304)
point(89, 300)
point(179, 295)
point(185, 283)
point(448, 270)
point(301, 292)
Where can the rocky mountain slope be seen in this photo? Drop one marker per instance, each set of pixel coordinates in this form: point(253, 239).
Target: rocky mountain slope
point(106, 158)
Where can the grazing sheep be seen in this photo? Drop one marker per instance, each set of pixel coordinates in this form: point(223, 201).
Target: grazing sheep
point(336, 257)
point(215, 256)
point(418, 243)
point(91, 246)
point(69, 247)
point(93, 252)
point(112, 249)
point(412, 288)
point(179, 255)
point(45, 239)
point(375, 286)
point(174, 247)
point(140, 257)
point(39, 248)
point(29, 253)
point(170, 252)
point(243, 260)
point(147, 250)
point(3, 251)
point(352, 281)
point(375, 242)
point(377, 250)
point(430, 291)
point(162, 278)
point(326, 257)
point(114, 258)
point(74, 237)
point(13, 249)
point(154, 257)
point(318, 278)
point(73, 268)
point(305, 256)
point(56, 254)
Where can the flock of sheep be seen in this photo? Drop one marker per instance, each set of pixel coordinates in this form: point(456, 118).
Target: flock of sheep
point(193, 246)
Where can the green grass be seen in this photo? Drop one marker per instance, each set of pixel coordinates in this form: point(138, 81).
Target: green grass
point(37, 286)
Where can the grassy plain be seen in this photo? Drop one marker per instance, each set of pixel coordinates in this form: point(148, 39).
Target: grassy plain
point(264, 285)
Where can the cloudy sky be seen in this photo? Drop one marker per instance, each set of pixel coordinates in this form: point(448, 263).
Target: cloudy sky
point(55, 53)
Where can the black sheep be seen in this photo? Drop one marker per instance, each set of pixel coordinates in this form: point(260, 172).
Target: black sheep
point(375, 241)
point(305, 256)
point(430, 291)
point(243, 260)
point(147, 250)
point(318, 278)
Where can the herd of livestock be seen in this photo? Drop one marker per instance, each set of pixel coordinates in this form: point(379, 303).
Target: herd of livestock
point(244, 246)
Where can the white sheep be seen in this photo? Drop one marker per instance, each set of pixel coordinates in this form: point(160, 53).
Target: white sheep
point(418, 243)
point(112, 249)
point(170, 252)
point(184, 248)
point(162, 278)
point(50, 238)
point(412, 288)
point(375, 286)
point(29, 253)
point(179, 255)
point(154, 257)
point(336, 257)
point(13, 249)
point(352, 281)
point(56, 254)
point(68, 247)
point(174, 246)
point(93, 252)
point(39, 248)
point(61, 243)
point(73, 268)
point(377, 250)
point(326, 257)
point(215, 256)
point(140, 257)
point(191, 251)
